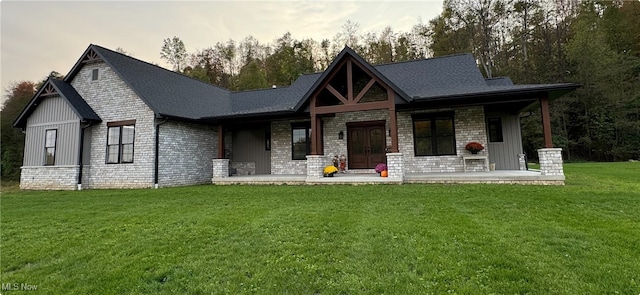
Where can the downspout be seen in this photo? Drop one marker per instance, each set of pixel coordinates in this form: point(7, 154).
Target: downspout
point(81, 154)
point(156, 171)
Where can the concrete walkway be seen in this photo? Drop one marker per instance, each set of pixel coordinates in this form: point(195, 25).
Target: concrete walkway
point(500, 176)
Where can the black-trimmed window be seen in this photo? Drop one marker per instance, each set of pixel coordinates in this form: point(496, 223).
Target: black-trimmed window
point(50, 139)
point(120, 140)
point(495, 129)
point(434, 134)
point(300, 140)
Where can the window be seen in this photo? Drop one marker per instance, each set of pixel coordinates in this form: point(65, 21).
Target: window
point(94, 75)
point(433, 134)
point(300, 140)
point(495, 130)
point(120, 138)
point(50, 146)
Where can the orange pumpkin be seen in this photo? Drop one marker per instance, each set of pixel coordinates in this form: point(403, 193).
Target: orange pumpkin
point(384, 173)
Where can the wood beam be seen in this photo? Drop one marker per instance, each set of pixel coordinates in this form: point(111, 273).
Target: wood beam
point(367, 106)
point(220, 142)
point(393, 124)
point(337, 94)
point(364, 90)
point(546, 121)
point(350, 79)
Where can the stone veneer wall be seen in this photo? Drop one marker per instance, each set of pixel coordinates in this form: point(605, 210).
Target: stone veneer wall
point(113, 100)
point(49, 177)
point(281, 162)
point(185, 154)
point(469, 124)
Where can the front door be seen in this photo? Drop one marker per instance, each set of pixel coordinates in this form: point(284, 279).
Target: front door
point(366, 144)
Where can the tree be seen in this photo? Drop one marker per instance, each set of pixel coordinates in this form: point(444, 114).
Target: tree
point(174, 51)
point(12, 144)
point(252, 76)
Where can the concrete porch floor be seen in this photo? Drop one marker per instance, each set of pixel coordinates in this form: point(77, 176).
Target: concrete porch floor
point(499, 176)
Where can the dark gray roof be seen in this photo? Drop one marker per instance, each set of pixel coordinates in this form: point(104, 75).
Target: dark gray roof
point(172, 94)
point(66, 91)
point(276, 100)
point(166, 92)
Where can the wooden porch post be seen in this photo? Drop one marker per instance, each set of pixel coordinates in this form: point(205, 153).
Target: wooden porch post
point(314, 134)
point(220, 142)
point(394, 121)
point(546, 121)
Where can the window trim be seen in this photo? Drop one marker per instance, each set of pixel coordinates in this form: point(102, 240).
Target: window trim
point(307, 127)
point(95, 75)
point(434, 137)
point(120, 125)
point(55, 146)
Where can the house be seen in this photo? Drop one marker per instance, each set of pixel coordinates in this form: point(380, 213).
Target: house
point(118, 122)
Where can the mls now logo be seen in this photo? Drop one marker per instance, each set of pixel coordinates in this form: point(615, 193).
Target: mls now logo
point(18, 287)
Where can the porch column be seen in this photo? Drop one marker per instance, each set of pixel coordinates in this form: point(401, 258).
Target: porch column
point(316, 134)
point(315, 164)
point(550, 161)
point(395, 166)
point(393, 124)
point(220, 142)
point(220, 169)
point(546, 121)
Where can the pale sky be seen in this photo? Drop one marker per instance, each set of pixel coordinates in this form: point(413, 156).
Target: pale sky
point(38, 37)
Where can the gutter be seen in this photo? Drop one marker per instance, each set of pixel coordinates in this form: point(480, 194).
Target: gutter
point(156, 171)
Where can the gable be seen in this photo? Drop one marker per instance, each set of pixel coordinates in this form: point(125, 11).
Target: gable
point(60, 102)
point(166, 93)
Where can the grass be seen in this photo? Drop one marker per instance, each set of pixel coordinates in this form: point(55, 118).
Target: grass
point(400, 239)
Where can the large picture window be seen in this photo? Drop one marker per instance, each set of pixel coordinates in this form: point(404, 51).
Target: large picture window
point(300, 140)
point(50, 146)
point(120, 139)
point(434, 134)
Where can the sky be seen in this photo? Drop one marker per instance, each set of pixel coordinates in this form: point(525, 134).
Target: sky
point(38, 37)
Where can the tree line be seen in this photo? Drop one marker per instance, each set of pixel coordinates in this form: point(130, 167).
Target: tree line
point(593, 43)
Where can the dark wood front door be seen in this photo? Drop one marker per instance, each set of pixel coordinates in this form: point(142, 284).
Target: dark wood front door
point(366, 144)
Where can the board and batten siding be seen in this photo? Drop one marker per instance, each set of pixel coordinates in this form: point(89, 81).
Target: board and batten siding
point(249, 154)
point(505, 154)
point(52, 113)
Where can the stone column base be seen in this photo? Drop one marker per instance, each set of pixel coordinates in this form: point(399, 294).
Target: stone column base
point(522, 163)
point(550, 161)
point(220, 168)
point(315, 164)
point(395, 166)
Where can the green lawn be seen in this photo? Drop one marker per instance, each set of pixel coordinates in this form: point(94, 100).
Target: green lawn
point(582, 238)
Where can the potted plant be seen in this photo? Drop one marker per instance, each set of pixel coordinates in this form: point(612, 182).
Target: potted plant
point(329, 171)
point(381, 167)
point(474, 147)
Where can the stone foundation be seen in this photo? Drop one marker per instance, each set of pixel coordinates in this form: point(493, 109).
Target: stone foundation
point(49, 177)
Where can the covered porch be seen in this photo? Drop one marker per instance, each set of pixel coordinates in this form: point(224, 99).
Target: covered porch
point(522, 177)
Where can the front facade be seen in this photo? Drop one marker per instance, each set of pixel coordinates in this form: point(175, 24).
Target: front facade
point(118, 122)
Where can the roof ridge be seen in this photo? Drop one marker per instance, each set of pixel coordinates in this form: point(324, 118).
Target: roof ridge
point(423, 59)
point(159, 67)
